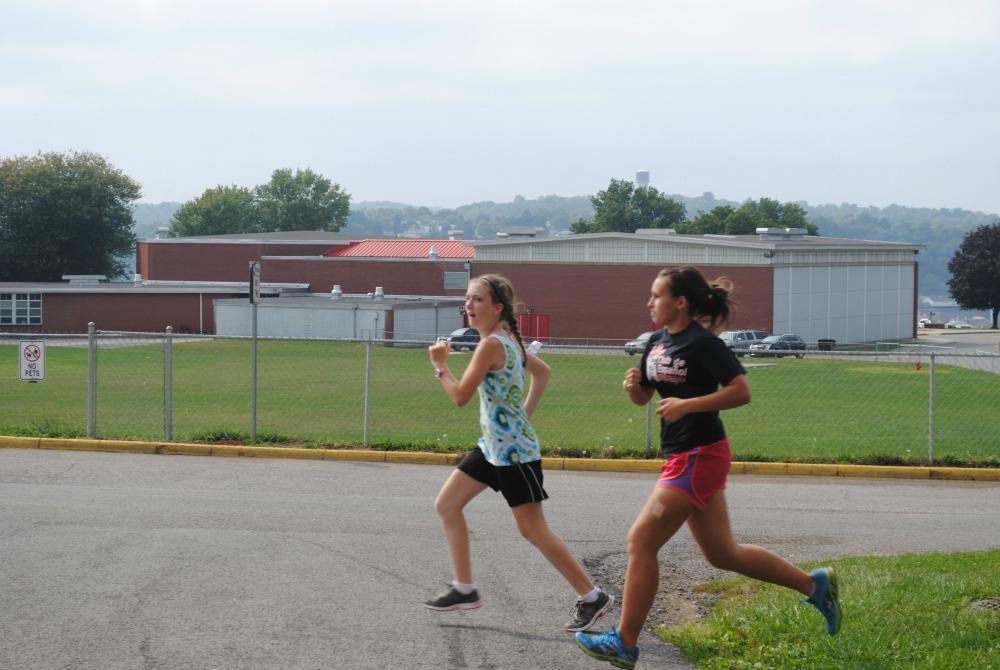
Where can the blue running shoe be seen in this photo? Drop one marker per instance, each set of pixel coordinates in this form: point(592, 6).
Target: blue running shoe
point(825, 598)
point(608, 647)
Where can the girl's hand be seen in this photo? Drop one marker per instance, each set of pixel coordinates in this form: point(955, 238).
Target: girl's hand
point(633, 379)
point(672, 409)
point(439, 353)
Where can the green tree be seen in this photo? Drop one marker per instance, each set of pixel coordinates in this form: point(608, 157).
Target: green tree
point(975, 270)
point(64, 214)
point(623, 208)
point(217, 211)
point(744, 220)
point(302, 201)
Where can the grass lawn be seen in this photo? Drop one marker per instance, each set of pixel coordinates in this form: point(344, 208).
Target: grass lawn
point(913, 611)
point(840, 410)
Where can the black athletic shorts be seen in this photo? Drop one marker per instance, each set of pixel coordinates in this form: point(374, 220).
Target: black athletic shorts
point(519, 484)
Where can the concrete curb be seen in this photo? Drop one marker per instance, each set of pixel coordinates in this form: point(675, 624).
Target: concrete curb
point(579, 464)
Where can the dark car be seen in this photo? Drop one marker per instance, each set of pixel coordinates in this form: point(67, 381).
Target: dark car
point(638, 345)
point(464, 338)
point(740, 340)
point(778, 346)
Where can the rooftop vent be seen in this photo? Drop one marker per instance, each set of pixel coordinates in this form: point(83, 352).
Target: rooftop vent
point(336, 293)
point(84, 280)
point(518, 231)
point(162, 232)
point(379, 293)
point(433, 252)
point(781, 233)
point(655, 231)
point(137, 279)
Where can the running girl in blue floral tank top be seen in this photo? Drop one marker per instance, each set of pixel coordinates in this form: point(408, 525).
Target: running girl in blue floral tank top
point(508, 438)
point(507, 458)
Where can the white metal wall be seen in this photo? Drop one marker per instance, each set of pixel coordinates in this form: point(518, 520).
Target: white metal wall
point(846, 303)
point(343, 321)
point(233, 317)
point(622, 250)
point(425, 322)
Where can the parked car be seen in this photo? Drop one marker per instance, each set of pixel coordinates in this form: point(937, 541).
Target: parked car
point(638, 345)
point(740, 340)
point(464, 338)
point(957, 323)
point(778, 346)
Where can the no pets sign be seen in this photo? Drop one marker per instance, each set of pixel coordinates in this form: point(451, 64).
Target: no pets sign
point(32, 357)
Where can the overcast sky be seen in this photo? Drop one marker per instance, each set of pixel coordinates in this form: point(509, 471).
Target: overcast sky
point(450, 102)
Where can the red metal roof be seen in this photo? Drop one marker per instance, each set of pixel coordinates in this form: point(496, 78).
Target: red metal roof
point(404, 249)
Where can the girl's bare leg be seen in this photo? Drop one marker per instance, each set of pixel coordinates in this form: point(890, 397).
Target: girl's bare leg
point(663, 514)
point(531, 522)
point(456, 493)
point(710, 528)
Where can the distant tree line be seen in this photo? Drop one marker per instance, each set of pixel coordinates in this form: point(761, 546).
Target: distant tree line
point(625, 208)
point(75, 213)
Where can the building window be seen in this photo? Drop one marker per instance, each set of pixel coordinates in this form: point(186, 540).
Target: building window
point(20, 309)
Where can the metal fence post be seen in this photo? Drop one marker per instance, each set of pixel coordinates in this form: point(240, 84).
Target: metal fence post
point(368, 377)
point(168, 384)
point(649, 429)
point(91, 380)
point(930, 412)
point(253, 377)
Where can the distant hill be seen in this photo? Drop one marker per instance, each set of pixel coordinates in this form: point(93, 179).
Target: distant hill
point(941, 230)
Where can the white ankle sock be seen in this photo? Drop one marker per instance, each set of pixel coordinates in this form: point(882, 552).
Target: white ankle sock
point(464, 589)
point(592, 596)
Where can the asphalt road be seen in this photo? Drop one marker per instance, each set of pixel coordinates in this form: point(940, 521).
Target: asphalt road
point(158, 562)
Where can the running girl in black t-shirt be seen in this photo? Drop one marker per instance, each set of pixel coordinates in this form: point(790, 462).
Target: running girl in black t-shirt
point(696, 376)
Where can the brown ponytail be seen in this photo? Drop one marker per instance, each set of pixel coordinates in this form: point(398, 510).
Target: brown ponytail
point(707, 301)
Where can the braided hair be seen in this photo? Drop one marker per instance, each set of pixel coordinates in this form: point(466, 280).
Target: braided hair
point(502, 292)
point(708, 301)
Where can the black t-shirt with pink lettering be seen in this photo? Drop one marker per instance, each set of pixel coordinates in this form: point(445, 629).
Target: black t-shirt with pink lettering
point(688, 364)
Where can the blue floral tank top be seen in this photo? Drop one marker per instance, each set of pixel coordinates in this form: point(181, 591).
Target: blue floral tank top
point(508, 438)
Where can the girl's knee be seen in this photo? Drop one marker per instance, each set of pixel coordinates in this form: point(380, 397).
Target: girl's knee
point(446, 507)
point(533, 533)
point(639, 542)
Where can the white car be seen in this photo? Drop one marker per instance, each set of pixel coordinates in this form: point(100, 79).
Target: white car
point(957, 323)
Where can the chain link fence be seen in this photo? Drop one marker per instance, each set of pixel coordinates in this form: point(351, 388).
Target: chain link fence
point(907, 404)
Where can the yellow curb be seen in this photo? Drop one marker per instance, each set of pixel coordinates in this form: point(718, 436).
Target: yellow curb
point(19, 442)
point(579, 464)
point(884, 471)
point(423, 458)
point(610, 465)
point(230, 450)
point(353, 455)
point(813, 469)
point(973, 474)
point(118, 446)
point(181, 449)
point(281, 452)
point(553, 463)
point(761, 468)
